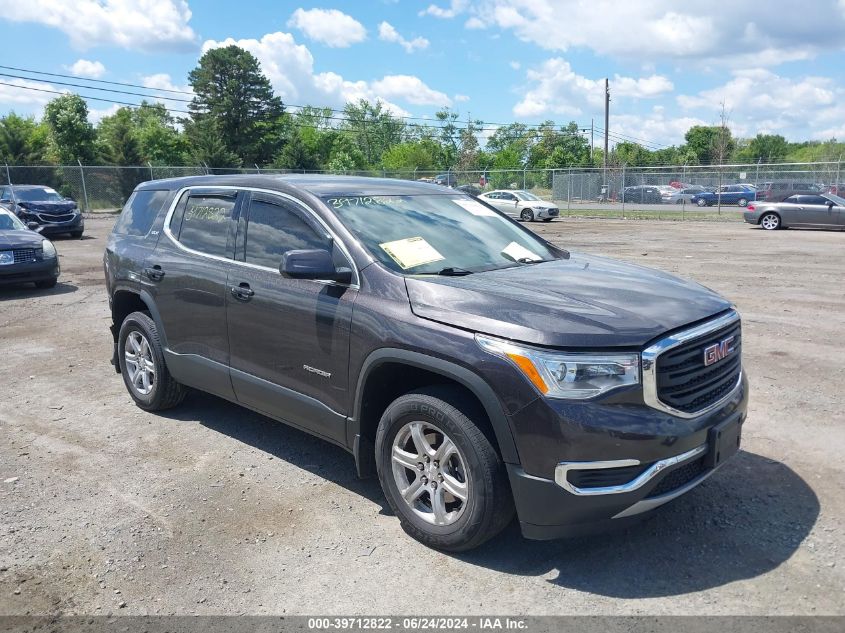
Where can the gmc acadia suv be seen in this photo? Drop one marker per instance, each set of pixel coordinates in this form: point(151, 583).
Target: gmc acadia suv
point(477, 369)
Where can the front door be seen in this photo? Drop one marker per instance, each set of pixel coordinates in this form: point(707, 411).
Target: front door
point(815, 209)
point(289, 338)
point(187, 275)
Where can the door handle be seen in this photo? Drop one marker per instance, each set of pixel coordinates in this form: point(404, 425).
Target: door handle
point(155, 273)
point(242, 292)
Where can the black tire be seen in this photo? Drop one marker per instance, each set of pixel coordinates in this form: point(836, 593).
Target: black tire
point(166, 392)
point(547, 219)
point(527, 215)
point(743, 202)
point(770, 221)
point(76, 235)
point(489, 506)
point(46, 283)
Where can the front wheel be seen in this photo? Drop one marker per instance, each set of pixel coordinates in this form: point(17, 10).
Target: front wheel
point(547, 219)
point(440, 473)
point(527, 215)
point(701, 202)
point(743, 202)
point(142, 365)
point(770, 221)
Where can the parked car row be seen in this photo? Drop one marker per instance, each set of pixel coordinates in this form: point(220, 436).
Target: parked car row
point(52, 212)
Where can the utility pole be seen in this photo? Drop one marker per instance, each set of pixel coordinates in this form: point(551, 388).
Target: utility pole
point(606, 123)
point(592, 139)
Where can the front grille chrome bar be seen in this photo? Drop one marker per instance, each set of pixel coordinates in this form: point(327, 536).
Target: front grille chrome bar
point(649, 365)
point(563, 468)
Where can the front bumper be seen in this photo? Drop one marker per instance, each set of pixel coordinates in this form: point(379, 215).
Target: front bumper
point(662, 457)
point(38, 270)
point(49, 226)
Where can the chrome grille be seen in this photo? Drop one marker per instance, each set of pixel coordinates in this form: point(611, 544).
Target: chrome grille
point(675, 376)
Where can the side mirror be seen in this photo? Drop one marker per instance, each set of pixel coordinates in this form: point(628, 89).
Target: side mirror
point(313, 264)
point(830, 204)
point(33, 226)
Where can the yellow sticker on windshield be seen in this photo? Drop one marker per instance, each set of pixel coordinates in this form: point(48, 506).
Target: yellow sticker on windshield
point(412, 251)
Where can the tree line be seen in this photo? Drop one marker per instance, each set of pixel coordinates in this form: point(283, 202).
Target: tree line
point(236, 120)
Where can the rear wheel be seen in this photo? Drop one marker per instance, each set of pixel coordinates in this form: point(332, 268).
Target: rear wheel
point(142, 365)
point(439, 471)
point(527, 215)
point(770, 221)
point(743, 202)
point(701, 202)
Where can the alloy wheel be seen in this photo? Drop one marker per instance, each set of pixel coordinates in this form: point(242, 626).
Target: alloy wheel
point(770, 222)
point(430, 473)
point(139, 363)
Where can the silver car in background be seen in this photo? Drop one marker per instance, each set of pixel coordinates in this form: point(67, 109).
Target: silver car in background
point(521, 204)
point(814, 210)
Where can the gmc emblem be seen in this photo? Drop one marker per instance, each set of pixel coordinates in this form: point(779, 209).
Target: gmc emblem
point(716, 352)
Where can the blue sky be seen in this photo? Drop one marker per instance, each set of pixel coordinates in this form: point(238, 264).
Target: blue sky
point(777, 65)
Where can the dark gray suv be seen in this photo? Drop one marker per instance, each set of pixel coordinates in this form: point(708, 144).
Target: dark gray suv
point(477, 369)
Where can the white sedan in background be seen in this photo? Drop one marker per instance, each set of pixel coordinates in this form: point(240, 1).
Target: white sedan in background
point(521, 204)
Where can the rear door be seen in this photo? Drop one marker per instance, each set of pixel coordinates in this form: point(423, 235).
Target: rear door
point(289, 338)
point(187, 274)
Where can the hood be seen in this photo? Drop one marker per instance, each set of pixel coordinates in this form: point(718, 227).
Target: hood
point(19, 239)
point(49, 207)
point(585, 301)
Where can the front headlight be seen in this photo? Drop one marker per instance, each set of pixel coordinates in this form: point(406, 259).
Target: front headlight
point(48, 249)
point(568, 375)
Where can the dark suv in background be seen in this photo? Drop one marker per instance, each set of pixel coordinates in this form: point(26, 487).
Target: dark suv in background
point(477, 369)
point(54, 214)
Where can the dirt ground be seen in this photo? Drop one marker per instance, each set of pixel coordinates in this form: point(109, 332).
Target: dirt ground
point(211, 509)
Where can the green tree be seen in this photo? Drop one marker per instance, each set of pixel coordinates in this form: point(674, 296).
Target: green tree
point(207, 146)
point(374, 127)
point(295, 155)
point(708, 142)
point(72, 136)
point(117, 144)
point(231, 90)
point(411, 155)
point(23, 141)
point(765, 148)
point(160, 143)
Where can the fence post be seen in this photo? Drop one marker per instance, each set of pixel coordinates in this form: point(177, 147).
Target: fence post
point(84, 190)
point(257, 168)
point(838, 169)
point(8, 176)
point(623, 191)
point(569, 193)
point(523, 177)
point(204, 164)
point(150, 165)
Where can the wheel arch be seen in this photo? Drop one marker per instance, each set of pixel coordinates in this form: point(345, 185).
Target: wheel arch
point(125, 301)
point(389, 373)
point(771, 212)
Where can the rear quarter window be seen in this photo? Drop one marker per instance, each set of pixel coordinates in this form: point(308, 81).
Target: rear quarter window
point(140, 212)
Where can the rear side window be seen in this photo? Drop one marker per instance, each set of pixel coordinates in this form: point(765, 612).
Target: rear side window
point(275, 225)
point(140, 212)
point(813, 200)
point(202, 223)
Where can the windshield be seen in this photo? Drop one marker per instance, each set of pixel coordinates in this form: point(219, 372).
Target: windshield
point(40, 194)
point(524, 195)
point(9, 222)
point(837, 200)
point(428, 234)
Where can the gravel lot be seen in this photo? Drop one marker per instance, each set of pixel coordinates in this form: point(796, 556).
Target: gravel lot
point(212, 509)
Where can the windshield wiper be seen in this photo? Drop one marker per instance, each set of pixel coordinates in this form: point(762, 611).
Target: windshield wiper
point(451, 271)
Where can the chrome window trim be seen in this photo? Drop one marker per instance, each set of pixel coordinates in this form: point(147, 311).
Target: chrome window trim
point(649, 365)
point(563, 468)
point(356, 283)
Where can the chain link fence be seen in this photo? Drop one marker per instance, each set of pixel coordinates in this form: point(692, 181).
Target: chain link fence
point(577, 191)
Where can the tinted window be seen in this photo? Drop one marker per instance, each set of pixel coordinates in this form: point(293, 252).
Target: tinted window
point(140, 212)
point(38, 194)
point(792, 199)
point(205, 223)
point(275, 226)
point(813, 200)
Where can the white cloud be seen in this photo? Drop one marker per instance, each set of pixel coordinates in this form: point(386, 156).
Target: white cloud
point(461, 98)
point(290, 68)
point(329, 26)
point(411, 89)
point(515, 65)
point(85, 68)
point(95, 115)
point(388, 33)
point(759, 100)
point(732, 32)
point(455, 7)
point(148, 25)
point(24, 92)
point(555, 88)
point(163, 83)
point(654, 128)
